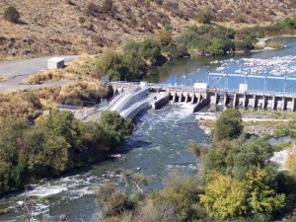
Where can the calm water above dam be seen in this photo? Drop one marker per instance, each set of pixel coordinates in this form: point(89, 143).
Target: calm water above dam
point(275, 63)
point(159, 142)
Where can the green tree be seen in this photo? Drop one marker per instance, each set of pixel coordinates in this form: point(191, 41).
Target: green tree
point(150, 50)
point(11, 14)
point(134, 65)
point(46, 153)
point(254, 152)
point(11, 147)
point(93, 147)
point(63, 123)
point(112, 64)
point(116, 128)
point(220, 157)
point(4, 176)
point(216, 47)
point(229, 125)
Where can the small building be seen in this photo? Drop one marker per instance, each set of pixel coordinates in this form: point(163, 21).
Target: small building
point(55, 63)
point(200, 86)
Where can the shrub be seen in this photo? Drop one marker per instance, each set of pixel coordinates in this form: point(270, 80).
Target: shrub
point(107, 7)
point(203, 17)
point(91, 8)
point(275, 45)
point(112, 201)
point(81, 20)
point(164, 37)
point(290, 164)
point(11, 14)
point(229, 125)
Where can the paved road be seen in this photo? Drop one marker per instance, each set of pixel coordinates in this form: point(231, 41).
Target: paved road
point(19, 70)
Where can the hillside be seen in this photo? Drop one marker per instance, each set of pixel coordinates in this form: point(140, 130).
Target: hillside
point(75, 26)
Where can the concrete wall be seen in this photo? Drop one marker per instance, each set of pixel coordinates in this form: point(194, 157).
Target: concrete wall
point(160, 102)
point(201, 104)
point(133, 98)
point(132, 112)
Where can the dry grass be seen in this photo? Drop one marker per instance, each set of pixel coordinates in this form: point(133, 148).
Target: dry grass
point(32, 103)
point(51, 27)
point(19, 104)
point(48, 76)
point(84, 68)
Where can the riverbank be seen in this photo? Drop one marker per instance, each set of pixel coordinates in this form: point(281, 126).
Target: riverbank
point(258, 123)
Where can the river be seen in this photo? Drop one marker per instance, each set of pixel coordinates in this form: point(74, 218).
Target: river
point(158, 145)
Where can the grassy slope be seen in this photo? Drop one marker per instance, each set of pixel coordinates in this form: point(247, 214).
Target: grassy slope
point(52, 27)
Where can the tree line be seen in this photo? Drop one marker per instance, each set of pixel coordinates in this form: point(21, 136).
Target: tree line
point(137, 57)
point(54, 144)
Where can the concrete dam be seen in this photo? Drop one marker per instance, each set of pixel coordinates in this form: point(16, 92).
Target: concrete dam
point(132, 98)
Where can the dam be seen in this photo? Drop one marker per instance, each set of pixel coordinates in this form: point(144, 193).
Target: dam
point(202, 94)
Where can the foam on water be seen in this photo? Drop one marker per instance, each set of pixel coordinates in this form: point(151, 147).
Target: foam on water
point(46, 190)
point(276, 66)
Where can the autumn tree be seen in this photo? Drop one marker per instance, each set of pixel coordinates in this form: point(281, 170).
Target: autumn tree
point(226, 197)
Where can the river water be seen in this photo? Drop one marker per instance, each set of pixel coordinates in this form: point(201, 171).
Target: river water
point(159, 143)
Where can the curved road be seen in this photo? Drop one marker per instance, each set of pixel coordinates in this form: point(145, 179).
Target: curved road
point(17, 71)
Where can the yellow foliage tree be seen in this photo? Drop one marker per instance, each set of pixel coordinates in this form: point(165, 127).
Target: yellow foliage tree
point(224, 197)
point(261, 198)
